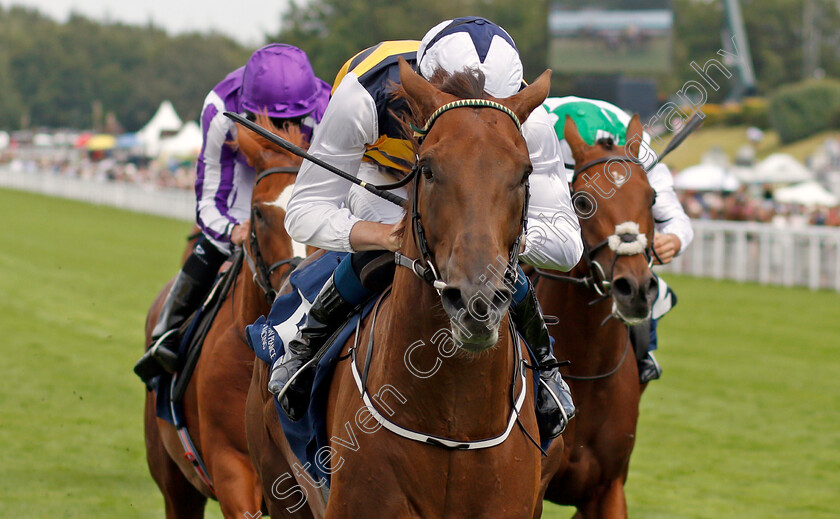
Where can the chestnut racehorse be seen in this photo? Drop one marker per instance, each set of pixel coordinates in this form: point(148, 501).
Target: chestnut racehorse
point(590, 470)
point(469, 196)
point(214, 402)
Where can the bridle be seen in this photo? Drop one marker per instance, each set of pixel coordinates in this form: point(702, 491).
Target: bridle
point(261, 269)
point(595, 277)
point(424, 267)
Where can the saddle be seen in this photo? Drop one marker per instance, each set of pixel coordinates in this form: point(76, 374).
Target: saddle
point(268, 336)
point(170, 388)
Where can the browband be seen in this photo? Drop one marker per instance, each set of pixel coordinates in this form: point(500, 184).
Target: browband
point(464, 103)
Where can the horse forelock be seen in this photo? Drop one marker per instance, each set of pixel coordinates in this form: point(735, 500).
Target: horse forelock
point(606, 143)
point(465, 84)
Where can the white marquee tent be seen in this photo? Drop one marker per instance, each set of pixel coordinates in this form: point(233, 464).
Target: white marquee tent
point(187, 142)
point(808, 193)
point(778, 168)
point(706, 177)
point(164, 120)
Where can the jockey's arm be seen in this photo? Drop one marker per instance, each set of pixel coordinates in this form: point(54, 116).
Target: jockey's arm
point(553, 240)
point(669, 215)
point(215, 175)
point(317, 214)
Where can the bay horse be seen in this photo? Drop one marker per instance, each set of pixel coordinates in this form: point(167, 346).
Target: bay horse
point(214, 401)
point(610, 289)
point(451, 445)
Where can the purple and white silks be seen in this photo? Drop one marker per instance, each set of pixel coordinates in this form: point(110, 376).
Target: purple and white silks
point(224, 180)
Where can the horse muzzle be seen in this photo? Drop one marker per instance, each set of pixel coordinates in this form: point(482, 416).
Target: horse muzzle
point(633, 297)
point(475, 314)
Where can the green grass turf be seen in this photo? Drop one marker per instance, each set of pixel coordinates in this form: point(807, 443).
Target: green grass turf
point(743, 424)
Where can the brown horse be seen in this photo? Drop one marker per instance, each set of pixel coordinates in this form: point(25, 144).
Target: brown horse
point(590, 471)
point(214, 402)
point(441, 368)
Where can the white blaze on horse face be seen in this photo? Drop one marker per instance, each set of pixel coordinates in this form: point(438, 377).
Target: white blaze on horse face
point(625, 248)
point(282, 201)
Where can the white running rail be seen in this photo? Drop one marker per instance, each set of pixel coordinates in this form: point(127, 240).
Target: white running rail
point(174, 203)
point(762, 253)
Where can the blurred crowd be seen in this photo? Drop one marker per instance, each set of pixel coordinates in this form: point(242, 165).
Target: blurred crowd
point(159, 172)
point(744, 206)
point(755, 202)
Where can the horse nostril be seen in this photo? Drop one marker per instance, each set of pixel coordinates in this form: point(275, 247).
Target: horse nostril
point(451, 296)
point(653, 287)
point(502, 297)
point(622, 287)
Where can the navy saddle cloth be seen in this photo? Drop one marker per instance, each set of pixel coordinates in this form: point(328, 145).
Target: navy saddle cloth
point(267, 337)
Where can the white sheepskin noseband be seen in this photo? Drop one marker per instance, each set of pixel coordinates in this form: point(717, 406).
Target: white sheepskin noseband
point(627, 240)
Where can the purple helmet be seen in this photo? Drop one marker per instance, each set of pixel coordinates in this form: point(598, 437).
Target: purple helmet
point(279, 79)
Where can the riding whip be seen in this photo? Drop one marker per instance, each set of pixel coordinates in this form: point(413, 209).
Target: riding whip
point(288, 146)
point(692, 124)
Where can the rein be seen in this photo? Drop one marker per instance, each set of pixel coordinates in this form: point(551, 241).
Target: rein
point(424, 267)
point(261, 269)
point(602, 376)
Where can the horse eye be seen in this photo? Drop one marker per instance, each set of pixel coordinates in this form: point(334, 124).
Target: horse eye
point(257, 213)
point(527, 174)
point(426, 171)
point(582, 205)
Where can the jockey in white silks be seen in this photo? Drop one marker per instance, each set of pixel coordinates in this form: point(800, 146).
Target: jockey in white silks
point(277, 80)
point(596, 119)
point(360, 136)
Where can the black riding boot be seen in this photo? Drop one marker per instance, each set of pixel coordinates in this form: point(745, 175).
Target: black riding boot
point(184, 297)
point(649, 369)
point(554, 400)
point(187, 293)
point(642, 335)
point(293, 373)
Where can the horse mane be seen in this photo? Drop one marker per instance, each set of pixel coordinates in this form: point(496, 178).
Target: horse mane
point(465, 84)
point(290, 132)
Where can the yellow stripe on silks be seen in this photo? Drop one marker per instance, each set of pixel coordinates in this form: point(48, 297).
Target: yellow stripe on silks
point(392, 153)
point(382, 51)
point(385, 49)
point(343, 72)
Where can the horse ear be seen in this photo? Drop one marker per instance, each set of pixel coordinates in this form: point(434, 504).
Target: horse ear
point(573, 139)
point(530, 97)
point(634, 136)
point(427, 97)
point(244, 141)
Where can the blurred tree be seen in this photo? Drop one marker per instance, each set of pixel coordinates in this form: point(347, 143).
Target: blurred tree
point(55, 72)
point(332, 31)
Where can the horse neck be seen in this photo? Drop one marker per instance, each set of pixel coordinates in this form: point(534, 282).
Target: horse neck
point(249, 299)
point(468, 396)
point(590, 346)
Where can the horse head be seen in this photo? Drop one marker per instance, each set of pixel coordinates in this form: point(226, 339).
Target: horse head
point(276, 172)
point(470, 195)
point(613, 200)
